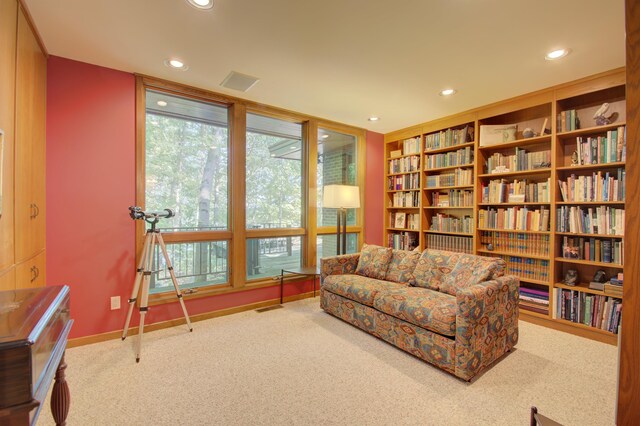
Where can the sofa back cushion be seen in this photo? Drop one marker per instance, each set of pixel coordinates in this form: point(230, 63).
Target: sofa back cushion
point(432, 267)
point(401, 267)
point(374, 261)
point(471, 270)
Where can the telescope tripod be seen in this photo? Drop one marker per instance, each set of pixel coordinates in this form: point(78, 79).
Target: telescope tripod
point(143, 276)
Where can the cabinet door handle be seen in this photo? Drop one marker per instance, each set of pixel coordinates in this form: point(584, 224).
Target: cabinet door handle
point(35, 273)
point(37, 210)
point(31, 211)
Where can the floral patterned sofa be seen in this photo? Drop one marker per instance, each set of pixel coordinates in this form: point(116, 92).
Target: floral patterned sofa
point(456, 311)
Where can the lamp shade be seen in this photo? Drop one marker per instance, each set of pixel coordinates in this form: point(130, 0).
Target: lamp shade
point(341, 197)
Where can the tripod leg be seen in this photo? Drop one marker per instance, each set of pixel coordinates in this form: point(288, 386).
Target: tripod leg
point(136, 284)
point(163, 247)
point(144, 296)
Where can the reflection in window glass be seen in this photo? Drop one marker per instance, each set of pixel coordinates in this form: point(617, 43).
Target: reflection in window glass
point(186, 162)
point(195, 265)
point(266, 257)
point(336, 166)
point(274, 173)
point(326, 245)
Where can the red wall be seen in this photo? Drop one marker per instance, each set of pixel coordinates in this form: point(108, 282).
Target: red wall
point(90, 184)
point(374, 187)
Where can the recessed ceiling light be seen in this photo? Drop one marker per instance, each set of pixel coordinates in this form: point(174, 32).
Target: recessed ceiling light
point(557, 54)
point(293, 147)
point(273, 155)
point(447, 92)
point(162, 103)
point(201, 4)
point(325, 136)
point(374, 118)
point(176, 64)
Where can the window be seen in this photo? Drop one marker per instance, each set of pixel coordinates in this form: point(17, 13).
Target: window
point(337, 165)
point(186, 170)
point(240, 178)
point(187, 162)
point(274, 194)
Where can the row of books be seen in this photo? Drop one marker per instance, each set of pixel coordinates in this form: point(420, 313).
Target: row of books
point(403, 240)
point(514, 218)
point(526, 268)
point(461, 157)
point(411, 146)
point(450, 243)
point(447, 138)
point(405, 199)
point(568, 120)
point(534, 300)
point(453, 198)
point(458, 178)
point(446, 223)
point(603, 149)
point(608, 186)
point(601, 220)
point(516, 191)
point(410, 181)
point(522, 160)
point(602, 312)
point(402, 220)
point(513, 242)
point(593, 249)
point(405, 164)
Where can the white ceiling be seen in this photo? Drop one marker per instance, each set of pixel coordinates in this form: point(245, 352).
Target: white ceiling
point(345, 60)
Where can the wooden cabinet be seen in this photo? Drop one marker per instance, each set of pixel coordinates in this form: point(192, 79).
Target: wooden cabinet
point(31, 75)
point(32, 272)
point(8, 22)
point(8, 279)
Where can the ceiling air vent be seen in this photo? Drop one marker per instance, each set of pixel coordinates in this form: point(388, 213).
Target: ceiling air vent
point(238, 81)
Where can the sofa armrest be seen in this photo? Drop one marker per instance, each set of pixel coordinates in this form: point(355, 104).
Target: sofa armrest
point(486, 323)
point(337, 265)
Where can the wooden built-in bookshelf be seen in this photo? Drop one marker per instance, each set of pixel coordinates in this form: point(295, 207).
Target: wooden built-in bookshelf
point(527, 195)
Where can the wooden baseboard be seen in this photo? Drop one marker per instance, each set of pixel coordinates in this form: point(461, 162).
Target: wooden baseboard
point(117, 334)
point(569, 328)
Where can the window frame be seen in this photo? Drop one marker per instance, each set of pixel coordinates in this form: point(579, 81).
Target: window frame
point(236, 235)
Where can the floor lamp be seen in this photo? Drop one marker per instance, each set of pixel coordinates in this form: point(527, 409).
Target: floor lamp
point(341, 197)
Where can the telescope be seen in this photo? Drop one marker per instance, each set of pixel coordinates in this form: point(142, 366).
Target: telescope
point(137, 213)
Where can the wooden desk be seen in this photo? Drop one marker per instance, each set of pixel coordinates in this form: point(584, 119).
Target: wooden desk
point(34, 328)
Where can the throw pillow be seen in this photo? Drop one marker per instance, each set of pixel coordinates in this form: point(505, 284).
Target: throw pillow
point(402, 265)
point(471, 270)
point(374, 261)
point(432, 266)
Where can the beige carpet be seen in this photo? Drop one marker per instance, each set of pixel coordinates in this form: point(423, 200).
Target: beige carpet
point(299, 365)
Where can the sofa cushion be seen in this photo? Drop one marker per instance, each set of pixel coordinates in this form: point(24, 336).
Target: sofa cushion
point(471, 270)
point(402, 265)
point(357, 288)
point(374, 261)
point(425, 308)
point(432, 266)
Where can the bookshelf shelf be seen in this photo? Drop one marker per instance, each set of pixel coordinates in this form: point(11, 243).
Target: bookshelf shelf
point(589, 262)
point(590, 130)
point(514, 254)
point(527, 312)
point(403, 208)
point(449, 148)
point(534, 281)
point(583, 167)
point(403, 173)
point(448, 208)
point(589, 203)
point(402, 190)
point(403, 229)
point(528, 203)
point(570, 234)
point(464, 234)
point(587, 327)
point(515, 230)
point(582, 287)
point(522, 173)
point(441, 169)
point(517, 143)
point(444, 188)
point(405, 155)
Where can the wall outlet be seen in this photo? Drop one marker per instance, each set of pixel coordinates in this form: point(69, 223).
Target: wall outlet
point(115, 303)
